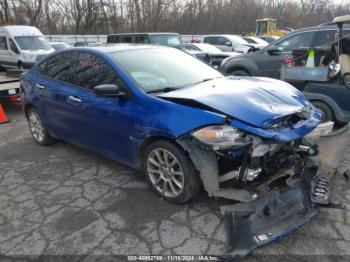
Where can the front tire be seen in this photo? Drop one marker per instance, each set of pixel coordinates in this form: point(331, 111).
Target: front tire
point(327, 113)
point(170, 172)
point(38, 130)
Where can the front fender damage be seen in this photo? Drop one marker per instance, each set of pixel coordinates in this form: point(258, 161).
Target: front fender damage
point(205, 161)
point(273, 210)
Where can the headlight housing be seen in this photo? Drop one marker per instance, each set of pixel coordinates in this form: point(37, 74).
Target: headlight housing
point(220, 137)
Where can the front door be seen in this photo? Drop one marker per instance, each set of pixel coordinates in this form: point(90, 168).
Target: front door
point(106, 122)
point(271, 64)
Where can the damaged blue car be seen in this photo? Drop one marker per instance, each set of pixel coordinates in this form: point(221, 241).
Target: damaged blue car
point(184, 124)
point(163, 111)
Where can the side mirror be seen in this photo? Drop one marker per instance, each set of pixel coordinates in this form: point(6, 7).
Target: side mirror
point(272, 50)
point(109, 90)
point(228, 43)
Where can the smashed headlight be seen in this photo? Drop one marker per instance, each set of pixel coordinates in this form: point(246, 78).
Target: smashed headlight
point(220, 137)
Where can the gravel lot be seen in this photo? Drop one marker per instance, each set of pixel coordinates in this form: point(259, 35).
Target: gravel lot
point(62, 200)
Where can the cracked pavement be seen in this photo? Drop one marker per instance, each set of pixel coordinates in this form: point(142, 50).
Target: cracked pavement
point(63, 200)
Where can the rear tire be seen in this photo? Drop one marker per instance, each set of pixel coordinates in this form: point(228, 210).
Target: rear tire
point(170, 172)
point(38, 130)
point(327, 113)
point(239, 73)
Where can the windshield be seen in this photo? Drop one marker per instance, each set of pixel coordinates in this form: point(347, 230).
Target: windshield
point(249, 40)
point(32, 42)
point(238, 39)
point(166, 40)
point(159, 68)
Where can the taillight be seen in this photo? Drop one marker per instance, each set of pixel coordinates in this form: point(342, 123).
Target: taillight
point(289, 61)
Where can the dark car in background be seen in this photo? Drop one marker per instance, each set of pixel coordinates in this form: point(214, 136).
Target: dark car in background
point(268, 61)
point(164, 39)
point(333, 100)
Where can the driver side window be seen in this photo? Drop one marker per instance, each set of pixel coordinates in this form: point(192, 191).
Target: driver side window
point(222, 41)
point(296, 41)
point(13, 46)
point(92, 71)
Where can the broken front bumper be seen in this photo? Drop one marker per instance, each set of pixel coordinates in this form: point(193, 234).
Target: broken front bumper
point(288, 207)
point(268, 219)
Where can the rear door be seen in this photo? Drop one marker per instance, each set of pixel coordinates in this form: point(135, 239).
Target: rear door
point(271, 64)
point(60, 99)
point(220, 42)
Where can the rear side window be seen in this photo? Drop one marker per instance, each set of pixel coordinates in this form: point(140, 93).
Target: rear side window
point(296, 41)
point(92, 70)
point(113, 39)
point(3, 43)
point(59, 67)
point(142, 39)
point(210, 40)
point(217, 40)
point(125, 39)
point(325, 38)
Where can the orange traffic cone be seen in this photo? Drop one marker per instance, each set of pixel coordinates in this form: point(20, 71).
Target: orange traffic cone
point(3, 116)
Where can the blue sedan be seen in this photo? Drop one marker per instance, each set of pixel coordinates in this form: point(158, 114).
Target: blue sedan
point(181, 122)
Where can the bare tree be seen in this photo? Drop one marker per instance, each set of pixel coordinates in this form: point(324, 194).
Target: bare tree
point(183, 16)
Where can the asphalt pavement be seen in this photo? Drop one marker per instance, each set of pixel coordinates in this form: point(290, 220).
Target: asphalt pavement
point(63, 200)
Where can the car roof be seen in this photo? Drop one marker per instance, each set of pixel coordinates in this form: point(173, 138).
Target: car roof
point(155, 33)
point(325, 26)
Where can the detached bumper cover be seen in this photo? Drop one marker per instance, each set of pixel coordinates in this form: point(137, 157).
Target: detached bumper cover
point(258, 223)
point(289, 206)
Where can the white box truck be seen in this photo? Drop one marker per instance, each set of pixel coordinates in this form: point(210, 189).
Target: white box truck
point(22, 46)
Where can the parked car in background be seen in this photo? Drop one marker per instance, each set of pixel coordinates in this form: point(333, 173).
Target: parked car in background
point(268, 38)
point(229, 43)
point(59, 45)
point(268, 61)
point(164, 39)
point(191, 38)
point(180, 121)
point(21, 46)
point(255, 40)
point(215, 54)
point(332, 100)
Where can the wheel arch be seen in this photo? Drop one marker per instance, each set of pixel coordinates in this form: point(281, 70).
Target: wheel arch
point(242, 64)
point(149, 140)
point(27, 107)
point(338, 113)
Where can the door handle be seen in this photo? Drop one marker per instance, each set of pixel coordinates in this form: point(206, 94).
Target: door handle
point(40, 86)
point(74, 99)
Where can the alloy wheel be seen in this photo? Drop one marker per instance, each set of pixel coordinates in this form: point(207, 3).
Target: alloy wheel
point(165, 172)
point(36, 126)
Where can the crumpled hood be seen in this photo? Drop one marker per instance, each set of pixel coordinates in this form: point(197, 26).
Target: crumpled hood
point(255, 100)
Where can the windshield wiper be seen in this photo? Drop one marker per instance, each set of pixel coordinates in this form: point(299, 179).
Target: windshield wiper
point(164, 89)
point(207, 79)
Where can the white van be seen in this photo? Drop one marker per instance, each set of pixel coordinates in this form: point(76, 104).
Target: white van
point(21, 46)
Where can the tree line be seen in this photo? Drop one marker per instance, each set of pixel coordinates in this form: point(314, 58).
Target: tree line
point(182, 16)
